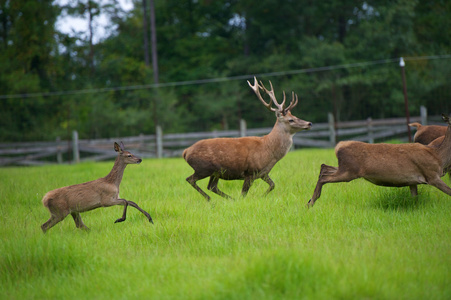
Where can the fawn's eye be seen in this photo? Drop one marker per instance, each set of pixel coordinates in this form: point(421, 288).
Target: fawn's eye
point(129, 155)
point(291, 120)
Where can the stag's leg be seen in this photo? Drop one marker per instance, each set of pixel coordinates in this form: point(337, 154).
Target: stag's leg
point(247, 185)
point(270, 182)
point(133, 204)
point(192, 180)
point(329, 174)
point(78, 221)
point(413, 190)
point(213, 186)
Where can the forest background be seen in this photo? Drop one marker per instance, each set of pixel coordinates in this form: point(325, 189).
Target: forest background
point(338, 56)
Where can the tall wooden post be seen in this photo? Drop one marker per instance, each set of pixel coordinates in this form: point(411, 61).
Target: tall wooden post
point(406, 101)
point(242, 127)
point(332, 133)
point(75, 149)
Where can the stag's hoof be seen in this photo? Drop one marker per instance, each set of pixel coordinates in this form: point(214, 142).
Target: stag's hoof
point(119, 220)
point(150, 220)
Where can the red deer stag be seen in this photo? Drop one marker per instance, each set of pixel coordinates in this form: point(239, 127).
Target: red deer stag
point(102, 192)
point(247, 158)
point(389, 165)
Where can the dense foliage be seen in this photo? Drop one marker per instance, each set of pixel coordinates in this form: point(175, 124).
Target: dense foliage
point(52, 83)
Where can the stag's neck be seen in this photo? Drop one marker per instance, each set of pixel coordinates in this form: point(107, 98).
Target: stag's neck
point(279, 140)
point(444, 149)
point(115, 175)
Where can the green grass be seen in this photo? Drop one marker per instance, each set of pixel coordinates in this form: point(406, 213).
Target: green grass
point(360, 241)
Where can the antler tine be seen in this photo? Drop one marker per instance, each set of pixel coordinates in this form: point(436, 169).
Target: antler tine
point(293, 103)
point(284, 98)
point(256, 90)
point(273, 97)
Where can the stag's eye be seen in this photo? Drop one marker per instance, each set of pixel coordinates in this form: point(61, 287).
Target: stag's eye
point(291, 120)
point(129, 155)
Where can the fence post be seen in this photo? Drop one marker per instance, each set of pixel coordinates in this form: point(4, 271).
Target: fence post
point(243, 127)
point(59, 155)
point(159, 142)
point(332, 133)
point(424, 115)
point(75, 150)
point(369, 125)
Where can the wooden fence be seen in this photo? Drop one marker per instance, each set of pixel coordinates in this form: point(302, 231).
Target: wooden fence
point(322, 135)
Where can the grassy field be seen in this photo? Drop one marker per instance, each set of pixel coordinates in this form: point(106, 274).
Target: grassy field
point(360, 241)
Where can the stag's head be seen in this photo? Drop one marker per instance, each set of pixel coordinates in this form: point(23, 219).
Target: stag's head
point(126, 156)
point(283, 114)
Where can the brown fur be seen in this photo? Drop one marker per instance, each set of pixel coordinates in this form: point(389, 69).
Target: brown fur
point(247, 158)
point(427, 133)
point(102, 192)
point(389, 165)
point(432, 135)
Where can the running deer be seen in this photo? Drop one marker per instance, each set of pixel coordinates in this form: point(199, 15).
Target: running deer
point(427, 133)
point(389, 165)
point(432, 135)
point(247, 158)
point(102, 192)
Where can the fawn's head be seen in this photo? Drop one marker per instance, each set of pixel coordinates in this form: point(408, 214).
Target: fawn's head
point(127, 157)
point(283, 114)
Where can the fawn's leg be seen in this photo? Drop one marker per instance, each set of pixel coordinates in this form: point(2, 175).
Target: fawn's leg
point(78, 221)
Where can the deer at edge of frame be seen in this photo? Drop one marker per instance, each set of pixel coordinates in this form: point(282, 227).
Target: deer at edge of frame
point(392, 165)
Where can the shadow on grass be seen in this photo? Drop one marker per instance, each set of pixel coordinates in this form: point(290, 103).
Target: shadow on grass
point(400, 199)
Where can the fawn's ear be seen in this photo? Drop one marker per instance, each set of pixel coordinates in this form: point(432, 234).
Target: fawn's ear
point(117, 148)
point(122, 146)
point(446, 119)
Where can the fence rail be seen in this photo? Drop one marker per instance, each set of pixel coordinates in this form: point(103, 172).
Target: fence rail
point(322, 135)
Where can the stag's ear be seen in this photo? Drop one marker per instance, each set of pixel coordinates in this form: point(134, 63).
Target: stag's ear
point(117, 148)
point(446, 118)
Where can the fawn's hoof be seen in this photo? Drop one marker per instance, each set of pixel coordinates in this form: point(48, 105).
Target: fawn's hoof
point(119, 220)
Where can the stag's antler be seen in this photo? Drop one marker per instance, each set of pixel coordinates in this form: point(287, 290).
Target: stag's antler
point(280, 107)
point(256, 90)
point(293, 103)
